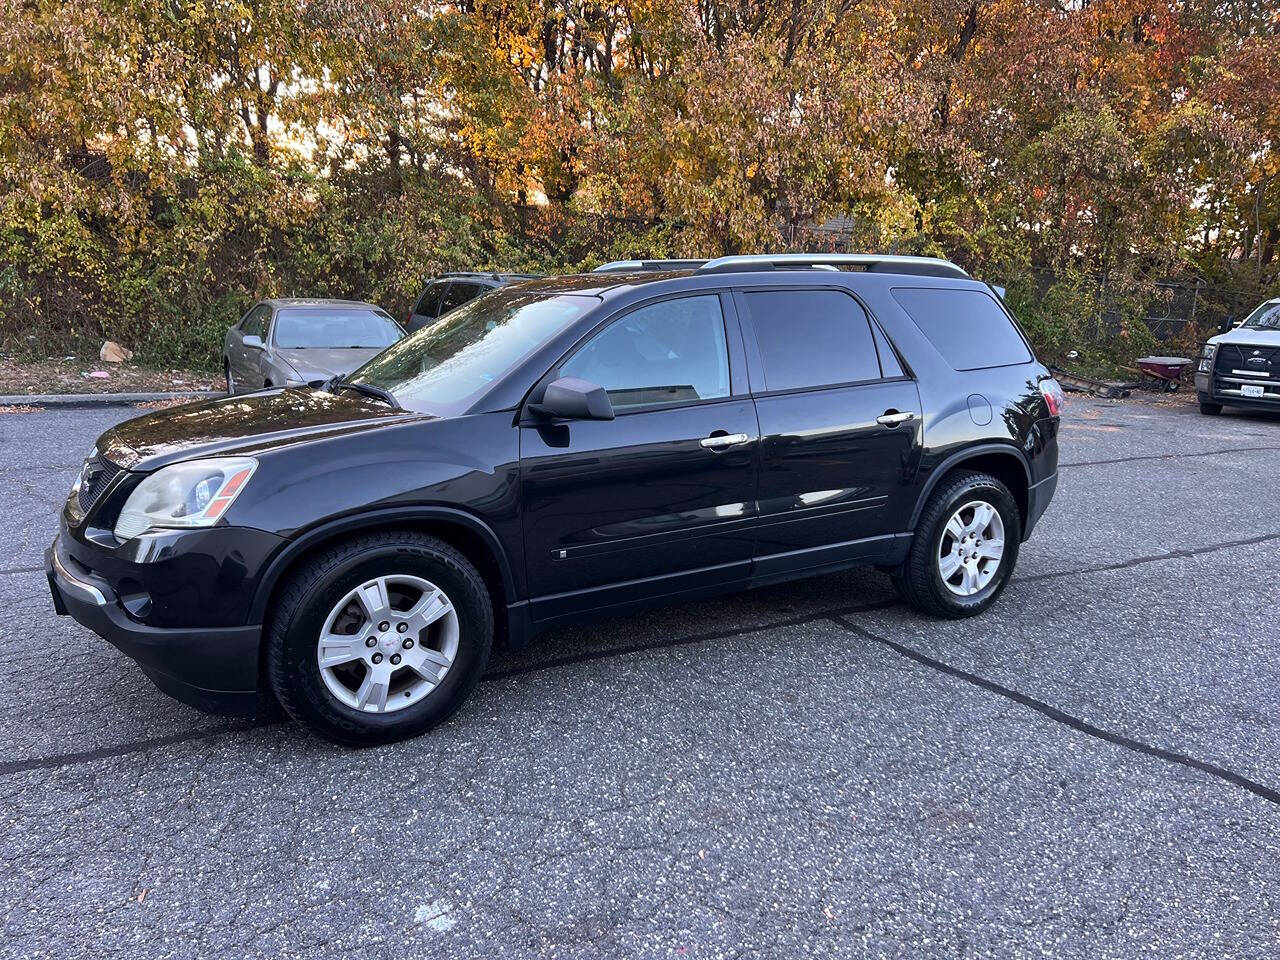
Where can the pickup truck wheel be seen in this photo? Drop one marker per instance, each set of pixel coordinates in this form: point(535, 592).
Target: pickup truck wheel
point(965, 547)
point(379, 638)
point(1210, 409)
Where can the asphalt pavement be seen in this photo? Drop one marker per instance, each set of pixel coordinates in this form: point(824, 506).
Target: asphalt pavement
point(1092, 769)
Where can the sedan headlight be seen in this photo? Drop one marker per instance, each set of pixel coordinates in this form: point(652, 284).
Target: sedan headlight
point(192, 494)
point(1209, 351)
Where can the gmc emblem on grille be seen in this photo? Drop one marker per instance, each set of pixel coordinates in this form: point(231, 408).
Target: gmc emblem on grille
point(92, 470)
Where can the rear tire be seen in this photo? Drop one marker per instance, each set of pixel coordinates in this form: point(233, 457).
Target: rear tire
point(332, 701)
point(963, 520)
point(1210, 409)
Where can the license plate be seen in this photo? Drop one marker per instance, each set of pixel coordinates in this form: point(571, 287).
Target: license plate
point(1251, 390)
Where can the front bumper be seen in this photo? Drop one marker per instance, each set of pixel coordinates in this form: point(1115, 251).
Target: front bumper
point(213, 669)
point(1228, 391)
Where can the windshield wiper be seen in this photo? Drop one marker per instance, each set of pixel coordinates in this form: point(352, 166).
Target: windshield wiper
point(368, 389)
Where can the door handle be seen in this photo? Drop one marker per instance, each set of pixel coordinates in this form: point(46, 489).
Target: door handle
point(891, 418)
point(723, 440)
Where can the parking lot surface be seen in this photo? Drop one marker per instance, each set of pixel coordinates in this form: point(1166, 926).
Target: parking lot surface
point(1090, 770)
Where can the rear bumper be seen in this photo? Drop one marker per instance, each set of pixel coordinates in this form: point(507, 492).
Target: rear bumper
point(1038, 497)
point(215, 670)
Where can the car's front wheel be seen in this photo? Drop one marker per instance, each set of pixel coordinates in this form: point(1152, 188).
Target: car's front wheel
point(1210, 409)
point(379, 638)
point(964, 549)
point(226, 372)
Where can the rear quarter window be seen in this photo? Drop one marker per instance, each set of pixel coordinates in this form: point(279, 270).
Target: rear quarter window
point(967, 327)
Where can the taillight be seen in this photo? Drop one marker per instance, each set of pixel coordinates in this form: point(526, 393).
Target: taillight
point(1051, 390)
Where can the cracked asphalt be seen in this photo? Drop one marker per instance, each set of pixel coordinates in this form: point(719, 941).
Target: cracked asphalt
point(1089, 770)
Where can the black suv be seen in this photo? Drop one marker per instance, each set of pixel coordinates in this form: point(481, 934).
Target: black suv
point(563, 448)
point(450, 291)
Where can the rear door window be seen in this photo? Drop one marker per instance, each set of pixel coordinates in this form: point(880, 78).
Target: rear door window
point(811, 338)
point(429, 303)
point(966, 326)
point(458, 294)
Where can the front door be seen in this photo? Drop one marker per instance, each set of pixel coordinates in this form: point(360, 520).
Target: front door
point(840, 427)
point(657, 501)
point(246, 361)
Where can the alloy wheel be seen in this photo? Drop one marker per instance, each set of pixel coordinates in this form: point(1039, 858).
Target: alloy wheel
point(388, 643)
point(972, 548)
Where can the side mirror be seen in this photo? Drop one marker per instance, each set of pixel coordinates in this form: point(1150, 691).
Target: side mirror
point(572, 399)
point(253, 341)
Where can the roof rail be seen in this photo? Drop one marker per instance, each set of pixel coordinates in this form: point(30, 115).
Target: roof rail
point(488, 274)
point(872, 263)
point(631, 266)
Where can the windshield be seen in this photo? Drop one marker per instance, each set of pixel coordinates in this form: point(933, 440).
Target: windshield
point(442, 366)
point(300, 328)
point(1266, 317)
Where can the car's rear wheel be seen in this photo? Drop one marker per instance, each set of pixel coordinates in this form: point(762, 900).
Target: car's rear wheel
point(964, 549)
point(379, 638)
point(1210, 409)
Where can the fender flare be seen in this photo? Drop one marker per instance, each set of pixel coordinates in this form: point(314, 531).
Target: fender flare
point(380, 517)
point(958, 458)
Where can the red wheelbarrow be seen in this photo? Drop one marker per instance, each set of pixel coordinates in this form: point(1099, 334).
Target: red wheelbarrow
point(1165, 371)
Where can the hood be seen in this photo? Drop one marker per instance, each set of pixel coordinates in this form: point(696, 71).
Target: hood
point(1250, 336)
point(244, 425)
point(321, 363)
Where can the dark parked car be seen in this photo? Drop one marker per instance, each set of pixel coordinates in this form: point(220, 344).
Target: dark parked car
point(297, 341)
point(560, 449)
point(1241, 368)
point(450, 291)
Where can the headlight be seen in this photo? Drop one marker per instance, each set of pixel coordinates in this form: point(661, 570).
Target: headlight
point(191, 494)
point(1207, 354)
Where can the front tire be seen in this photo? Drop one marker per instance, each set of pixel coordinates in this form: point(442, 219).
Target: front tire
point(964, 549)
point(1210, 409)
point(226, 372)
point(379, 638)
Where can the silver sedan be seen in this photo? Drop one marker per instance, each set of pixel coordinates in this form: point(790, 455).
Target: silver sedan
point(297, 341)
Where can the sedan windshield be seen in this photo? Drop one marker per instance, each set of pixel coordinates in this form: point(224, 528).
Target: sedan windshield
point(299, 328)
point(1266, 317)
point(441, 367)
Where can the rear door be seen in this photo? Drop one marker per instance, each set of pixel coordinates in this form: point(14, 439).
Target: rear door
point(840, 425)
point(657, 501)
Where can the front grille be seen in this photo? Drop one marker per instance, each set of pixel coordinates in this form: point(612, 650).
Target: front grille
point(1243, 369)
point(1243, 356)
point(97, 476)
